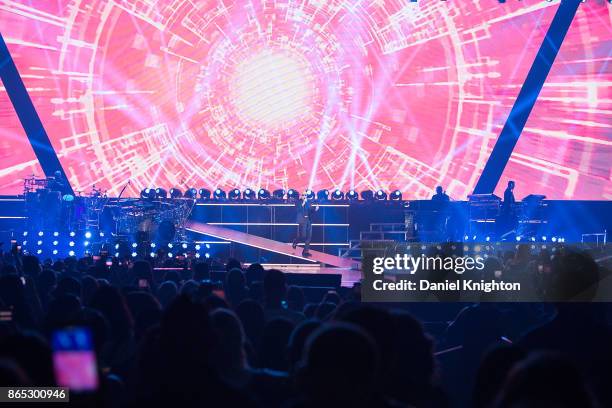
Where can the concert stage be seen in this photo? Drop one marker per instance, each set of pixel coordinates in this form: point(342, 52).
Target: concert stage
point(262, 230)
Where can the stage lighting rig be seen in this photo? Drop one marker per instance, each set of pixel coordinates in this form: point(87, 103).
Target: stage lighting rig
point(381, 195)
point(352, 195)
point(278, 194)
point(205, 193)
point(234, 194)
point(263, 194)
point(337, 195)
point(161, 193)
point(191, 193)
point(323, 195)
point(175, 192)
point(248, 194)
point(219, 194)
point(367, 195)
point(310, 194)
point(396, 195)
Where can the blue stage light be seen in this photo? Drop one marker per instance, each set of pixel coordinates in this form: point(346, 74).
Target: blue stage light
point(147, 193)
point(184, 246)
point(175, 192)
point(204, 193)
point(207, 255)
point(543, 237)
point(116, 246)
point(310, 194)
point(153, 245)
point(71, 253)
point(465, 238)
point(101, 234)
point(39, 242)
point(170, 255)
point(293, 194)
point(207, 246)
point(337, 195)
point(72, 233)
point(518, 238)
point(263, 194)
point(381, 195)
point(134, 254)
point(170, 245)
point(352, 195)
point(234, 194)
point(40, 233)
point(56, 234)
point(191, 193)
point(219, 194)
point(86, 243)
point(71, 243)
point(134, 245)
point(55, 252)
point(279, 194)
point(323, 195)
point(197, 255)
point(39, 251)
point(248, 194)
point(55, 243)
point(88, 235)
point(554, 239)
point(25, 233)
point(487, 238)
point(24, 243)
point(367, 195)
point(152, 254)
point(116, 254)
point(396, 195)
point(161, 193)
point(197, 247)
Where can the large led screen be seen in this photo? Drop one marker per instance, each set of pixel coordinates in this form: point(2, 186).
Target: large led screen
point(307, 94)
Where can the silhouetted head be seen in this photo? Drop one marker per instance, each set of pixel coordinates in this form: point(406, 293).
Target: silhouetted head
point(297, 340)
point(274, 344)
point(340, 367)
point(252, 316)
point(511, 185)
point(439, 190)
point(232, 263)
point(544, 380)
point(274, 288)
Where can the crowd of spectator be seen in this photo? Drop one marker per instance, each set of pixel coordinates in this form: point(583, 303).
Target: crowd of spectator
point(176, 337)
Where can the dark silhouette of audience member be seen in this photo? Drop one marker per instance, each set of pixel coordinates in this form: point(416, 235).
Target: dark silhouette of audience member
point(201, 271)
point(545, 380)
point(235, 286)
point(275, 290)
point(340, 368)
point(493, 370)
point(273, 345)
point(295, 298)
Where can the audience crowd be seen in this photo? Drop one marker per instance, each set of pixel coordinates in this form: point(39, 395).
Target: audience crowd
point(177, 337)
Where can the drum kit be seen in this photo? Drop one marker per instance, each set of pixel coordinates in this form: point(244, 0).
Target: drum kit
point(142, 220)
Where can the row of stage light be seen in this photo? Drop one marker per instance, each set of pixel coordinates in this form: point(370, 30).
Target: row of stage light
point(57, 244)
point(263, 194)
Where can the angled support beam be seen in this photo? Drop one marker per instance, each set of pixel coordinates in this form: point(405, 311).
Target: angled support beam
point(527, 97)
point(30, 121)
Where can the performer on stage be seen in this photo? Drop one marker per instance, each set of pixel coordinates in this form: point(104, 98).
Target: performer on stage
point(509, 194)
point(440, 195)
point(507, 216)
point(305, 210)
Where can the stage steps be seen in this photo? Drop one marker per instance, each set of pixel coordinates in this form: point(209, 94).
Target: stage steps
point(269, 245)
point(379, 233)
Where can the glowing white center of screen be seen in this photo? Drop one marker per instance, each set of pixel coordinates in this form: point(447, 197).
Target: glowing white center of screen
point(272, 88)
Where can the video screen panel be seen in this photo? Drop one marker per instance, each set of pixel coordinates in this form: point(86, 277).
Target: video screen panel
point(307, 94)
